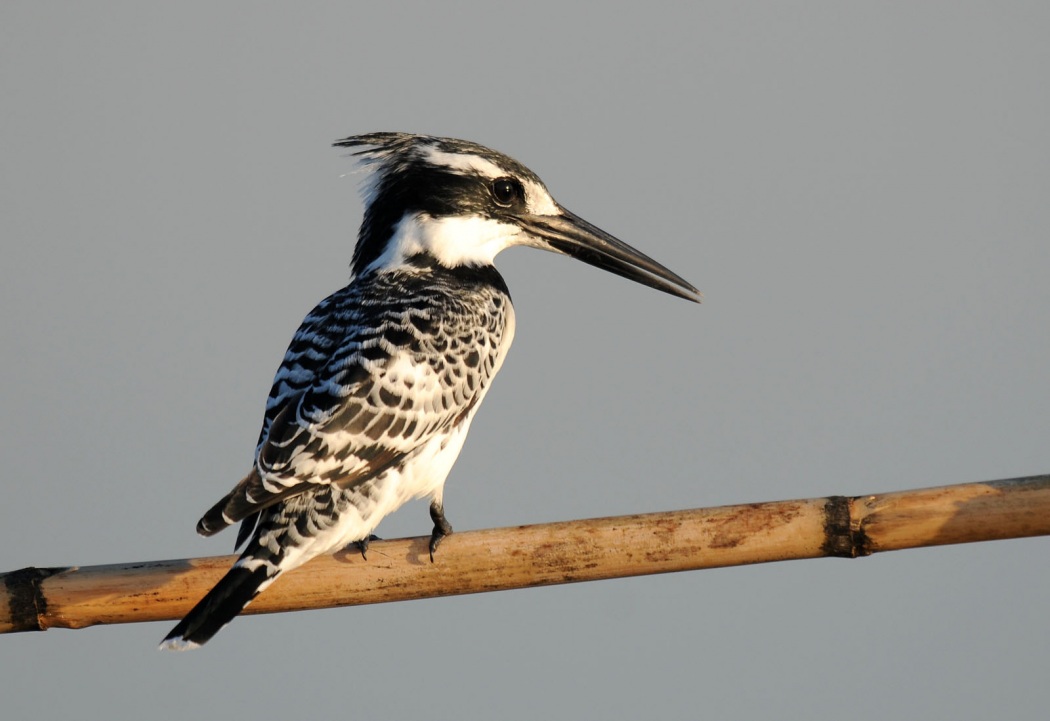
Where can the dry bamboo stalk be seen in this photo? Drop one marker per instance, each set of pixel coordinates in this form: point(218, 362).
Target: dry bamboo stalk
point(498, 559)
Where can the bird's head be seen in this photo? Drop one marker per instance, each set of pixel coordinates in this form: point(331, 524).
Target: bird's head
point(460, 203)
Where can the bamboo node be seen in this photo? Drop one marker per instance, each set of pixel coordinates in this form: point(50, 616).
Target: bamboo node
point(27, 605)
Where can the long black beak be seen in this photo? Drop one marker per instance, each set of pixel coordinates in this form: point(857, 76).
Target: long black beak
point(572, 235)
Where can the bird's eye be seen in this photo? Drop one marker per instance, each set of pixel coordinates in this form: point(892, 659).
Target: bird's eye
point(506, 190)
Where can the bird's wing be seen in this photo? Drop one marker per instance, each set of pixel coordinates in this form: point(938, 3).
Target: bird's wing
point(362, 386)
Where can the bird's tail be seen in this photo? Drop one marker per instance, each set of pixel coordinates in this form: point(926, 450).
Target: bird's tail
point(246, 580)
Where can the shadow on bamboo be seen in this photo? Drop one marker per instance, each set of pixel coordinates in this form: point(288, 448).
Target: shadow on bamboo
point(36, 599)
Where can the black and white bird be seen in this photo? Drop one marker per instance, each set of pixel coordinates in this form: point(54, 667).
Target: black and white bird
point(374, 398)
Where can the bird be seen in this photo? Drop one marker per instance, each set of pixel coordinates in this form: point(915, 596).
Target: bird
point(374, 397)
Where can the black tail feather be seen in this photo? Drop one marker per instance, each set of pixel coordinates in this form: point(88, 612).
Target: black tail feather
point(229, 597)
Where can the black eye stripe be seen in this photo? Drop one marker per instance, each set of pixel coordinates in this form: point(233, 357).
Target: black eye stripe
point(506, 191)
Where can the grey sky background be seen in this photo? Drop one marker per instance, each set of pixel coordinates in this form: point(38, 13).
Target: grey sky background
point(860, 190)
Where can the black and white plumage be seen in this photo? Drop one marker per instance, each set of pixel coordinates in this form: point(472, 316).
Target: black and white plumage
point(377, 390)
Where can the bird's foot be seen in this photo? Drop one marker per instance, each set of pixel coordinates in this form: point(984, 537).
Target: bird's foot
point(362, 545)
point(442, 527)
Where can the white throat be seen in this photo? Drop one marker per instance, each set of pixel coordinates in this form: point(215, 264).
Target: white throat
point(453, 240)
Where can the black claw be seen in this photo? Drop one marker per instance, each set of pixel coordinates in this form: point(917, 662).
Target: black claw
point(442, 527)
point(362, 545)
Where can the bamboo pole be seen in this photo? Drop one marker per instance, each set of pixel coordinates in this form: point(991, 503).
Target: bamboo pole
point(36, 599)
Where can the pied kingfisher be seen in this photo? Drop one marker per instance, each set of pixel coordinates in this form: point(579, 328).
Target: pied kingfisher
point(375, 395)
